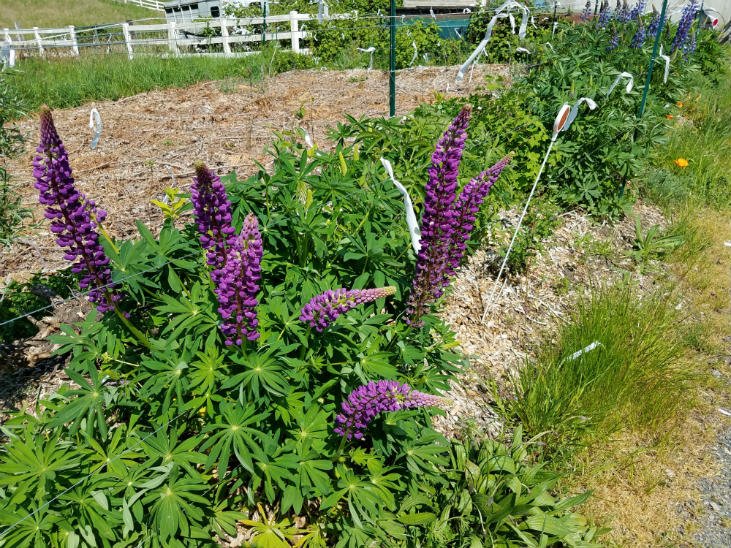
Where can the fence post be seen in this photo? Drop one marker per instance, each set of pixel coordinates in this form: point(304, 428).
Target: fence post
point(74, 43)
point(224, 37)
point(38, 40)
point(294, 28)
point(127, 40)
point(172, 38)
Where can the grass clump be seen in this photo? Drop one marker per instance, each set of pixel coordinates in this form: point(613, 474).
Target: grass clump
point(632, 379)
point(65, 83)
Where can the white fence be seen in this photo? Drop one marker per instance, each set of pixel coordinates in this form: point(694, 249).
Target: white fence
point(224, 36)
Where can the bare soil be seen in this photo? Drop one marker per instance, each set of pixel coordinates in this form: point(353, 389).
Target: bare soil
point(151, 141)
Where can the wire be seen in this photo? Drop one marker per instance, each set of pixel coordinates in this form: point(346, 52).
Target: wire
point(86, 293)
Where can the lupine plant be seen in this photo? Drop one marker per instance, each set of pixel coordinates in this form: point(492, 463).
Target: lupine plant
point(248, 402)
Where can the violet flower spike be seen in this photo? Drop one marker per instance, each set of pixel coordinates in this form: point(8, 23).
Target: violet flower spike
point(324, 309)
point(686, 22)
point(74, 219)
point(437, 222)
point(466, 208)
point(235, 259)
point(586, 13)
point(638, 39)
point(366, 402)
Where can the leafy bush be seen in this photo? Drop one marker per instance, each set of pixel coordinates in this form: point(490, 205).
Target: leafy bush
point(169, 436)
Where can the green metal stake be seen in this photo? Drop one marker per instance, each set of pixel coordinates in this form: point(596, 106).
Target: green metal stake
point(392, 63)
point(264, 24)
point(654, 55)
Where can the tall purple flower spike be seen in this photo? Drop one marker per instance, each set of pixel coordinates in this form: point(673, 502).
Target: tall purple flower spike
point(325, 308)
point(466, 208)
point(74, 219)
point(447, 223)
point(437, 222)
point(686, 22)
point(235, 259)
point(367, 401)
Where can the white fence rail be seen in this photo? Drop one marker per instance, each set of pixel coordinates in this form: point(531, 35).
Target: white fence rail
point(224, 36)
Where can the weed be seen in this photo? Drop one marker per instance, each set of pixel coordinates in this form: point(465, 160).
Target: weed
point(633, 379)
point(652, 244)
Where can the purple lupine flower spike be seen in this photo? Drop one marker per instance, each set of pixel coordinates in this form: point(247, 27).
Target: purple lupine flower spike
point(74, 219)
point(367, 401)
point(605, 15)
point(437, 222)
point(639, 38)
point(686, 22)
point(324, 309)
point(466, 208)
point(614, 42)
point(235, 259)
point(654, 24)
point(212, 214)
point(637, 10)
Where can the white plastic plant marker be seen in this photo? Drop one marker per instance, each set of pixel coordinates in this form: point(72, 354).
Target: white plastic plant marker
point(95, 124)
point(550, 46)
point(724, 412)
point(370, 51)
point(411, 221)
point(583, 351)
point(620, 76)
point(523, 50)
point(502, 12)
point(561, 123)
point(416, 53)
point(667, 66)
point(575, 110)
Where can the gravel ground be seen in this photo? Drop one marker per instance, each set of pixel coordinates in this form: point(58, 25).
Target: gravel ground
point(716, 496)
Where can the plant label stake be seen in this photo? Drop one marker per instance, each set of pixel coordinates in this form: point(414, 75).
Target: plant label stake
point(583, 351)
point(503, 12)
point(564, 119)
point(411, 221)
point(630, 84)
point(667, 65)
point(370, 51)
point(95, 124)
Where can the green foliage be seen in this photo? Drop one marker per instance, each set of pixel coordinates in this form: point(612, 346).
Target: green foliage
point(12, 211)
point(174, 441)
point(652, 244)
point(18, 299)
point(634, 379)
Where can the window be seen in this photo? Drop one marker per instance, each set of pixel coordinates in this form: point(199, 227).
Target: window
point(215, 11)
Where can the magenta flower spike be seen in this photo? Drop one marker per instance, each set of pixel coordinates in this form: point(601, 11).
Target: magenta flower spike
point(235, 259)
point(74, 219)
point(368, 401)
point(437, 222)
point(324, 309)
point(466, 208)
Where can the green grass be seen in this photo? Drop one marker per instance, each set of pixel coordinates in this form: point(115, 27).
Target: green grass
point(634, 381)
point(48, 14)
point(68, 83)
point(699, 133)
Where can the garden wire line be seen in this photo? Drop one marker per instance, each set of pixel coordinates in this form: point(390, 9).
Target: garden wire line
point(85, 293)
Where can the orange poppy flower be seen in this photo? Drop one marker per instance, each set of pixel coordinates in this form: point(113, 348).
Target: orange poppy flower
point(681, 162)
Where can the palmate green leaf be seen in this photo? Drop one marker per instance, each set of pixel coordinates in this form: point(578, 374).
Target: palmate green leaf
point(232, 434)
point(177, 507)
point(189, 312)
point(32, 527)
point(261, 373)
point(165, 447)
point(88, 512)
point(84, 405)
point(115, 455)
point(36, 464)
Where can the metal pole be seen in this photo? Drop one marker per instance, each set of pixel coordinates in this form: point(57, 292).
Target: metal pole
point(655, 48)
point(392, 63)
point(264, 23)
